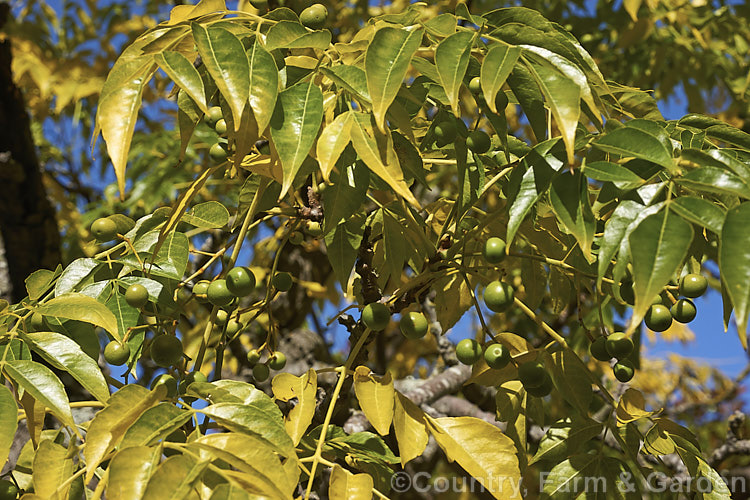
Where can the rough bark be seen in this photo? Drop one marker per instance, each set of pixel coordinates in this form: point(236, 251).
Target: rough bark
point(27, 219)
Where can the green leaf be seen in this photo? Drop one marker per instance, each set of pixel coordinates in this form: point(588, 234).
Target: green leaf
point(344, 485)
point(210, 214)
point(8, 421)
point(154, 424)
point(715, 180)
point(129, 472)
point(342, 246)
point(346, 195)
point(717, 129)
point(527, 92)
point(630, 141)
point(109, 425)
point(81, 308)
point(264, 84)
point(43, 385)
point(734, 264)
point(127, 315)
point(38, 282)
point(376, 150)
point(73, 275)
point(699, 211)
point(350, 78)
point(292, 35)
point(184, 75)
point(224, 56)
point(563, 96)
point(590, 476)
point(606, 171)
point(386, 63)
point(452, 59)
point(571, 378)
point(396, 242)
point(188, 116)
point(294, 127)
point(497, 65)
point(65, 354)
point(570, 200)
point(616, 230)
point(716, 158)
point(566, 437)
point(658, 247)
point(332, 142)
point(443, 25)
point(174, 478)
point(172, 259)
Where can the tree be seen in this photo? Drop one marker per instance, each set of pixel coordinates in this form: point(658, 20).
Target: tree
point(435, 167)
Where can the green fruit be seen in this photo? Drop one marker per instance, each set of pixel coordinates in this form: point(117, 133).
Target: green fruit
point(253, 356)
point(260, 372)
point(446, 131)
point(498, 296)
point(200, 289)
point(218, 153)
point(479, 142)
point(468, 351)
point(532, 374)
point(658, 318)
point(618, 346)
point(282, 281)
point(240, 281)
point(116, 353)
point(683, 311)
point(259, 4)
point(218, 293)
point(168, 381)
point(104, 229)
point(623, 370)
point(136, 295)
point(8, 490)
point(314, 17)
point(233, 327)
point(277, 361)
point(627, 293)
point(376, 316)
point(166, 350)
point(221, 317)
point(475, 85)
point(37, 322)
point(314, 228)
point(296, 238)
point(221, 127)
point(494, 250)
point(497, 356)
point(190, 378)
point(413, 325)
point(543, 390)
point(693, 285)
point(214, 115)
point(598, 349)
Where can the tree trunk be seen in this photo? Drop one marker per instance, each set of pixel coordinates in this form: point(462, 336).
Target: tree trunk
point(27, 219)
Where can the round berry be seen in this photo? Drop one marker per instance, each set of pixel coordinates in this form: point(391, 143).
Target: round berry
point(475, 85)
point(693, 285)
point(221, 317)
point(104, 229)
point(233, 327)
point(200, 289)
point(494, 250)
point(683, 311)
point(136, 295)
point(277, 361)
point(623, 370)
point(166, 350)
point(618, 346)
point(479, 142)
point(218, 293)
point(468, 351)
point(498, 296)
point(598, 349)
point(314, 17)
point(658, 318)
point(190, 378)
point(116, 353)
point(376, 316)
point(218, 153)
point(260, 372)
point(240, 281)
point(221, 127)
point(446, 131)
point(214, 115)
point(532, 374)
point(253, 356)
point(282, 281)
point(296, 238)
point(627, 293)
point(413, 325)
point(168, 381)
point(543, 390)
point(497, 356)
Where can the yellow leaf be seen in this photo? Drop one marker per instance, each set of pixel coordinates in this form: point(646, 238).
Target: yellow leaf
point(286, 386)
point(35, 414)
point(332, 142)
point(51, 468)
point(410, 427)
point(482, 450)
point(376, 398)
point(631, 7)
point(347, 486)
point(376, 150)
point(184, 12)
point(631, 407)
